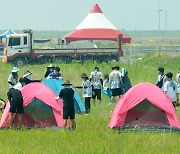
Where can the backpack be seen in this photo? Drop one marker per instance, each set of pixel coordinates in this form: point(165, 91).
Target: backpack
point(160, 83)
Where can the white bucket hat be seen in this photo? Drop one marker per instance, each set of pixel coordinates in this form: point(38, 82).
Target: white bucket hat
point(50, 66)
point(26, 73)
point(15, 69)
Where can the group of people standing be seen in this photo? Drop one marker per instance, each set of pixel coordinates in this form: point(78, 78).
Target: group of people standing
point(14, 94)
point(92, 88)
point(166, 83)
point(114, 85)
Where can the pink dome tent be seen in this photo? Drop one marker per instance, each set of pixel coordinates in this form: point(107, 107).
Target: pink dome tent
point(144, 105)
point(96, 27)
point(40, 107)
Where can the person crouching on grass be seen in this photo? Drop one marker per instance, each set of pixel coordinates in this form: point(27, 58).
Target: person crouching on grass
point(67, 94)
point(16, 105)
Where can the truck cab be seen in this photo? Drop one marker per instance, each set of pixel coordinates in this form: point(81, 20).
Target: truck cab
point(17, 48)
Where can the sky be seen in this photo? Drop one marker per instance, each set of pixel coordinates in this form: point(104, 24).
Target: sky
point(67, 15)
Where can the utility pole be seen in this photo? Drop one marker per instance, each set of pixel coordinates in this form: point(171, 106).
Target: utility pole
point(165, 27)
point(159, 29)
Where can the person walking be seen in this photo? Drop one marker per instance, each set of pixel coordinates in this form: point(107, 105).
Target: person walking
point(115, 83)
point(67, 94)
point(170, 88)
point(16, 106)
point(96, 79)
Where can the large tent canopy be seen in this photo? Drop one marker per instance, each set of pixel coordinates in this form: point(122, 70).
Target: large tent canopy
point(8, 32)
point(96, 27)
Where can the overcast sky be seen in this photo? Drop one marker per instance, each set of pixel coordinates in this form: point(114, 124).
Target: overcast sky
point(67, 14)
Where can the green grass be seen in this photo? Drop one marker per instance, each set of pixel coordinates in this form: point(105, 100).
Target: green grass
point(92, 134)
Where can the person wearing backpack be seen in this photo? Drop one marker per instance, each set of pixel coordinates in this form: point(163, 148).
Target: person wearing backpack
point(161, 78)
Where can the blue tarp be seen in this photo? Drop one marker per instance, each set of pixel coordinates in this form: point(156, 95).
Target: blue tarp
point(8, 32)
point(56, 86)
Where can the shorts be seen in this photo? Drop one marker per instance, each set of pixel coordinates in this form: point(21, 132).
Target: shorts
point(116, 92)
point(16, 106)
point(96, 93)
point(68, 114)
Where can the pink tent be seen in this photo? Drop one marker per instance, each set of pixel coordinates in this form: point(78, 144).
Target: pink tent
point(41, 108)
point(144, 105)
point(96, 27)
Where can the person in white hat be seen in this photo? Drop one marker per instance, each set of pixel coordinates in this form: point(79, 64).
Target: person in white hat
point(27, 77)
point(27, 74)
point(13, 77)
point(50, 69)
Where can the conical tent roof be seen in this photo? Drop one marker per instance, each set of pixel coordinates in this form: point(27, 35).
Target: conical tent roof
point(96, 27)
point(147, 93)
point(8, 32)
point(41, 108)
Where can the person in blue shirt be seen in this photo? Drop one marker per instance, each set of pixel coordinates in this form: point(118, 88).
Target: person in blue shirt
point(55, 74)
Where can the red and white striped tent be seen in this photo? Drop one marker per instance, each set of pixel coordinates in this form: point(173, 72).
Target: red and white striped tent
point(95, 27)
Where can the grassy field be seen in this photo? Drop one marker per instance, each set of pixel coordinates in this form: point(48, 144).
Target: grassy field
point(92, 134)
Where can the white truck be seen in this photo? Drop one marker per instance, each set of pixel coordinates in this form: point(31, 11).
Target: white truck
point(19, 51)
